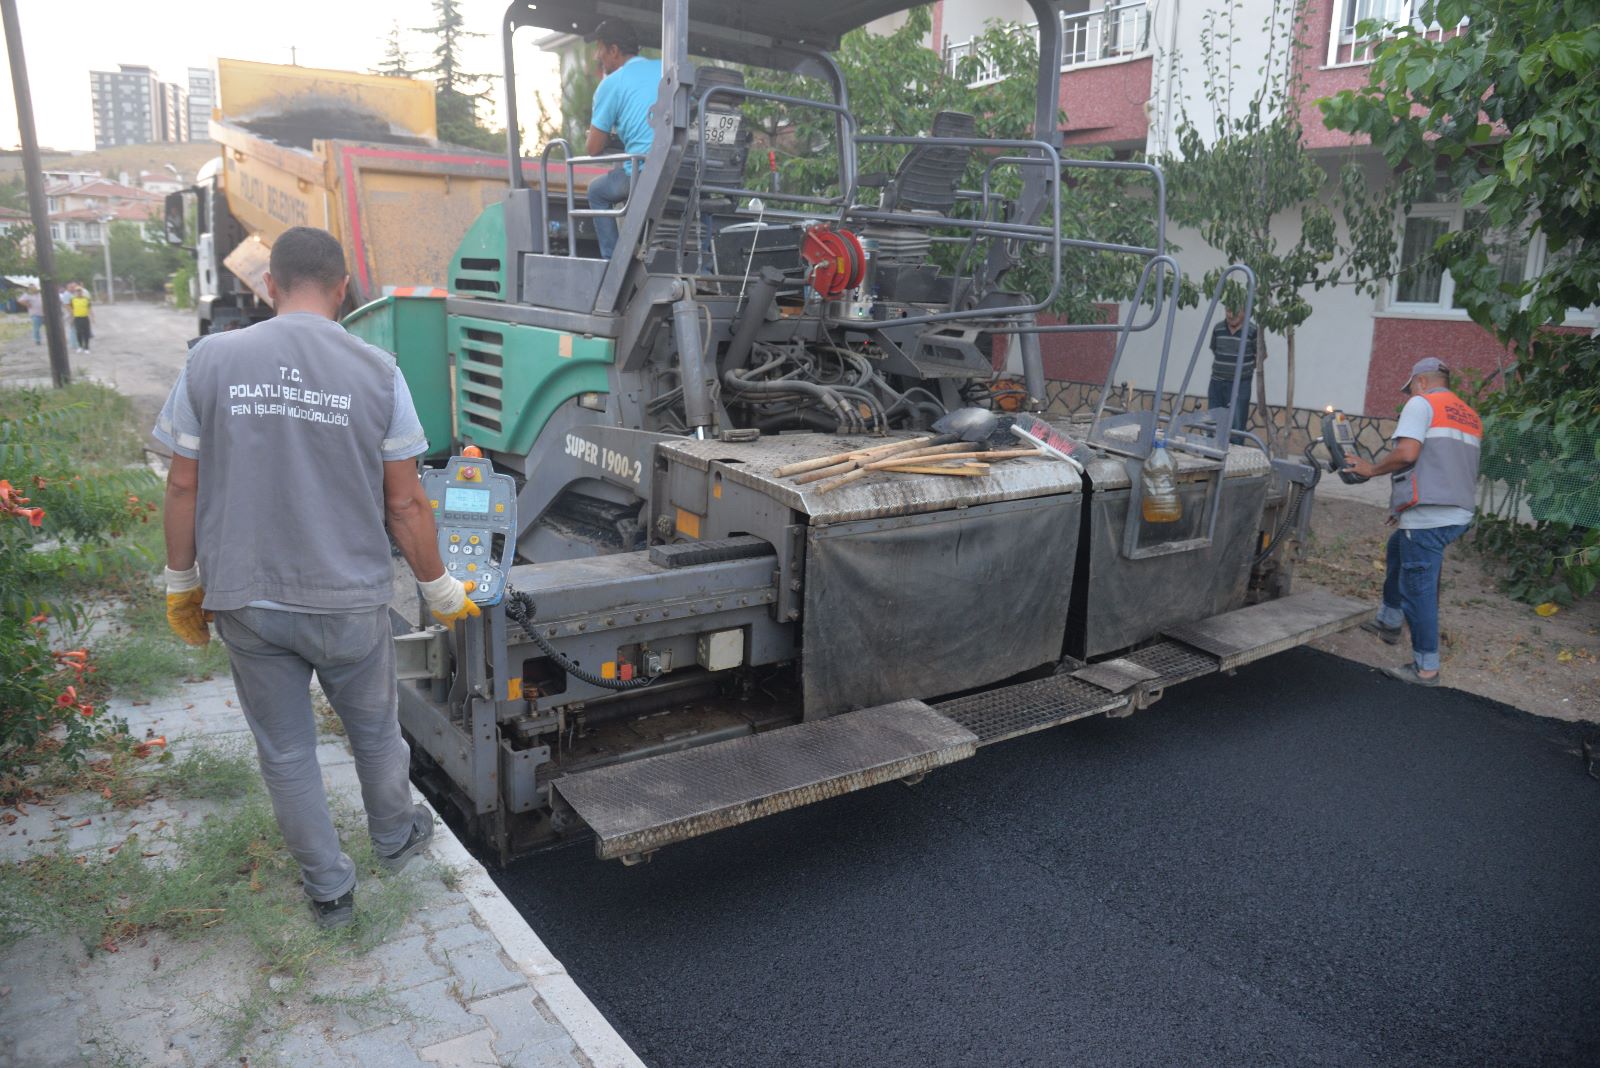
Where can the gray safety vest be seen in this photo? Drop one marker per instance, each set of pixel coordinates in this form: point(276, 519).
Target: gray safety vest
point(293, 413)
point(1446, 471)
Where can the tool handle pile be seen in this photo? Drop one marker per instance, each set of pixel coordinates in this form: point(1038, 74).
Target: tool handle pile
point(914, 456)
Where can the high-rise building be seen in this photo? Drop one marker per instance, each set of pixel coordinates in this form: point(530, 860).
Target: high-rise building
point(127, 106)
point(202, 95)
point(174, 124)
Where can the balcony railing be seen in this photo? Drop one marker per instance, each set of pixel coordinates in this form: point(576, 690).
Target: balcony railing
point(1118, 32)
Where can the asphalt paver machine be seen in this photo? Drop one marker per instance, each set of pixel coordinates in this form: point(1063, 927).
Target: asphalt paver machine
point(679, 633)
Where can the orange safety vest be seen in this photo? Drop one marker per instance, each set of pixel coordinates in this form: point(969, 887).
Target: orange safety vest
point(1446, 471)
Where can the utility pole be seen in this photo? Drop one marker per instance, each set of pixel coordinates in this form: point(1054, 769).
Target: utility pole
point(105, 234)
point(43, 250)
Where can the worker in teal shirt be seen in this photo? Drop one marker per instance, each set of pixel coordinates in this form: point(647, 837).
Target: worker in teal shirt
point(622, 106)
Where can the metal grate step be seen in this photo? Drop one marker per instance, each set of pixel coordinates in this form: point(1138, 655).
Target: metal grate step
point(995, 715)
point(645, 804)
point(1248, 634)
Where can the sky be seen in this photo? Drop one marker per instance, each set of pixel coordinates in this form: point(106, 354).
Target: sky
point(64, 42)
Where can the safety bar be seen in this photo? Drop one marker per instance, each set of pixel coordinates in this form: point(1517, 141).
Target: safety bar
point(1207, 433)
point(979, 227)
point(1146, 422)
point(569, 160)
point(847, 156)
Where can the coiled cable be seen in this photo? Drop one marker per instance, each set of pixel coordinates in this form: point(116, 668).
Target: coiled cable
point(520, 609)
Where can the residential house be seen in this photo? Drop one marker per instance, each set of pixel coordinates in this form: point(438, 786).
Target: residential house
point(78, 212)
point(1130, 72)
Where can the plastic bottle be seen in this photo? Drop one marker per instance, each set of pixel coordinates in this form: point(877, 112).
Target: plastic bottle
point(1158, 478)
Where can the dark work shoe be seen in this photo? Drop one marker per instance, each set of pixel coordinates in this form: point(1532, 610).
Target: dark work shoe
point(340, 912)
point(421, 835)
point(1408, 673)
point(1390, 635)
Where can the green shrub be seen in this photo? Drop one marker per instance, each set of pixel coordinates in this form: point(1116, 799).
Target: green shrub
point(68, 494)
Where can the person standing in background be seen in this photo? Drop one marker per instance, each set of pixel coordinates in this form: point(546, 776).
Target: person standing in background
point(33, 301)
point(81, 317)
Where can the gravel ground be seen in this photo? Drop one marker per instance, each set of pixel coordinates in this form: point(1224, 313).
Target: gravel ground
point(1307, 863)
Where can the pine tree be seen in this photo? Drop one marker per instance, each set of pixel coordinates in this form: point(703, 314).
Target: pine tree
point(456, 102)
point(396, 61)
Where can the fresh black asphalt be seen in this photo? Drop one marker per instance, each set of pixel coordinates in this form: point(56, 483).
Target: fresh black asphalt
point(1307, 863)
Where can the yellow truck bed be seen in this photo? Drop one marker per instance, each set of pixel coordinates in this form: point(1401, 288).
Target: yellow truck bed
point(357, 155)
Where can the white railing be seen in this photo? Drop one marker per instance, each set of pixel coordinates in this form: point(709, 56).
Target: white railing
point(1121, 31)
point(1347, 46)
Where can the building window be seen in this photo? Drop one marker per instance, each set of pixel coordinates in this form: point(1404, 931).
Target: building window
point(1346, 43)
point(74, 232)
point(55, 231)
point(1422, 283)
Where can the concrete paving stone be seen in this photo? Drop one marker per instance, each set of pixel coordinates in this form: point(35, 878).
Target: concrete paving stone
point(468, 1051)
point(305, 1047)
point(405, 962)
point(555, 1053)
point(450, 911)
point(519, 1019)
point(332, 754)
point(461, 938)
point(390, 1047)
point(481, 969)
point(435, 1012)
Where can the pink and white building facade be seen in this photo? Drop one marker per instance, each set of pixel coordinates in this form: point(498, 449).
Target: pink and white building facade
point(1130, 70)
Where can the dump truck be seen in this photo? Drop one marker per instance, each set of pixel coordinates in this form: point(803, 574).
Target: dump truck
point(735, 545)
point(355, 154)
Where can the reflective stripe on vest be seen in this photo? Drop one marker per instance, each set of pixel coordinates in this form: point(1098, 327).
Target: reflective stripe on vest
point(1446, 471)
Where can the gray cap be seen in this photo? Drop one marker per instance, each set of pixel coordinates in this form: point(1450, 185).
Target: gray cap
point(1428, 365)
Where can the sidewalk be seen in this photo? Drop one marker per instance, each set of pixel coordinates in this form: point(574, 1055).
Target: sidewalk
point(463, 980)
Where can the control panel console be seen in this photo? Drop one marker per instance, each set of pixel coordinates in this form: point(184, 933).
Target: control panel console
point(475, 511)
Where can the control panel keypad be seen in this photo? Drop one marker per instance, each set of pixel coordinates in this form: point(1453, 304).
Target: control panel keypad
point(472, 506)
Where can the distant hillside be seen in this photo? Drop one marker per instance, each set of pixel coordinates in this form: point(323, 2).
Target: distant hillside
point(188, 158)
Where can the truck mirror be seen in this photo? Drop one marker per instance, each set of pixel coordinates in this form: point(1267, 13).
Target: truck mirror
point(174, 219)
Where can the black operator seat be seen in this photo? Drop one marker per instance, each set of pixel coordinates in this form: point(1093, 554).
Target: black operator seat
point(727, 149)
point(929, 174)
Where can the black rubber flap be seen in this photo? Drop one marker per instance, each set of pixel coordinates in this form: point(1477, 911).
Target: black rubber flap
point(710, 551)
point(645, 804)
point(923, 605)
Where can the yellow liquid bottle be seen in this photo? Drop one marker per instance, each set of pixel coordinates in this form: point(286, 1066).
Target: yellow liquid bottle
point(1158, 479)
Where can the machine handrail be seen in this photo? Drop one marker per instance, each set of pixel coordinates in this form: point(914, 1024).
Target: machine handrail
point(570, 161)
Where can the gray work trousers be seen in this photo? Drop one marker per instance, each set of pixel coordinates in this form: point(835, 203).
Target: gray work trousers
point(273, 654)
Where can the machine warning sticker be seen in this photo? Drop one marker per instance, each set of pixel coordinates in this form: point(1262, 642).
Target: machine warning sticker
point(618, 465)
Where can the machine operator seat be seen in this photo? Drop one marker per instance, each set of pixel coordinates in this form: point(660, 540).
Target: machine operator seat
point(726, 154)
point(928, 176)
point(925, 183)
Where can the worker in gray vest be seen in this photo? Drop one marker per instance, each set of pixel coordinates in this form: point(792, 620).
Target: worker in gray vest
point(1433, 471)
point(294, 446)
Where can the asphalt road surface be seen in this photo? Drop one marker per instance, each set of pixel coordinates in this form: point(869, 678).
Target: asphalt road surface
point(1307, 863)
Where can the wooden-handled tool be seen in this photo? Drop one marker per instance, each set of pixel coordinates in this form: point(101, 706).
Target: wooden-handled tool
point(875, 452)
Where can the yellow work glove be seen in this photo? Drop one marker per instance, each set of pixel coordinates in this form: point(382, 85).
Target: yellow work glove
point(447, 599)
point(185, 615)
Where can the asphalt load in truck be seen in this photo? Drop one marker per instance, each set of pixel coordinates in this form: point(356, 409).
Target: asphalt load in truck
point(1305, 863)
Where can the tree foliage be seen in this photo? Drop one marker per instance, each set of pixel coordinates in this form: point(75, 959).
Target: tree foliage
point(456, 96)
point(1245, 176)
point(396, 61)
point(1506, 109)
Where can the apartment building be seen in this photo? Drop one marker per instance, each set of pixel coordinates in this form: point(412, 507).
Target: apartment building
point(202, 95)
point(133, 106)
point(1132, 69)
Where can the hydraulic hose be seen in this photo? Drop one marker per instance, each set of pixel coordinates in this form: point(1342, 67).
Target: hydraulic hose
point(520, 609)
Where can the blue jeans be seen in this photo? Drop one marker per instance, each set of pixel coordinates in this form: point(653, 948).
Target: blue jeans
point(605, 193)
point(38, 327)
point(1217, 397)
point(1411, 587)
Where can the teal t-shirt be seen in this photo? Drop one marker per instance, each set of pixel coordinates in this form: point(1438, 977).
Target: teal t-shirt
point(623, 101)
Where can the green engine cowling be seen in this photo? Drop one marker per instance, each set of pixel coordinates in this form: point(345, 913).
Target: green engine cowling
point(509, 378)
